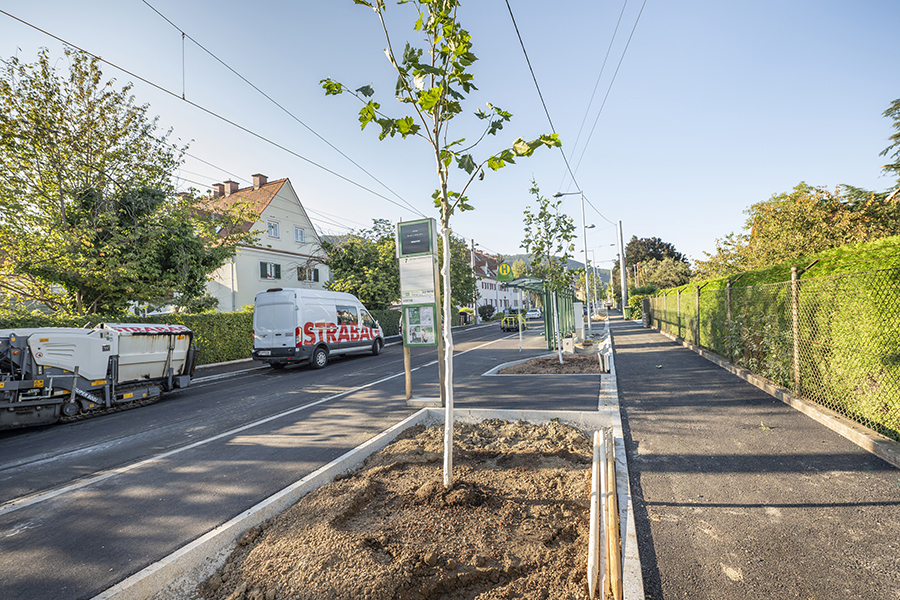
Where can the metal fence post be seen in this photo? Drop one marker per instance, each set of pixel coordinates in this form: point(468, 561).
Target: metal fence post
point(795, 322)
point(678, 310)
point(697, 336)
point(728, 321)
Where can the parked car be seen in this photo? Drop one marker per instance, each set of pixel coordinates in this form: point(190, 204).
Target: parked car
point(533, 313)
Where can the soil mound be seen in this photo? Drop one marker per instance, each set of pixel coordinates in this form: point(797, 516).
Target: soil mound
point(514, 524)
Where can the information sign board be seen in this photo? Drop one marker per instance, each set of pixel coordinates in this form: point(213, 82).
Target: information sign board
point(419, 327)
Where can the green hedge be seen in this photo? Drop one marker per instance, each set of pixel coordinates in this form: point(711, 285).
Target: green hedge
point(389, 321)
point(219, 337)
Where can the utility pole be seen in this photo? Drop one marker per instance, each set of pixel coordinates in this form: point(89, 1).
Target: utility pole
point(624, 281)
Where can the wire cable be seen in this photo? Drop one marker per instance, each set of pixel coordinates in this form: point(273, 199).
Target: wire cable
point(537, 86)
point(587, 111)
point(608, 89)
point(273, 101)
point(213, 114)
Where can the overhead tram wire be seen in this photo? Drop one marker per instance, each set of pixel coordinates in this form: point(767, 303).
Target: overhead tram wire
point(546, 110)
point(213, 114)
point(230, 174)
point(587, 111)
point(608, 89)
point(536, 85)
point(286, 111)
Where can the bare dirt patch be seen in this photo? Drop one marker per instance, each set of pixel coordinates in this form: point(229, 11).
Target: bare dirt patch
point(514, 524)
point(573, 364)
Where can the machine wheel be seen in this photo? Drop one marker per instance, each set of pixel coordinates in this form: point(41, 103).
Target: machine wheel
point(70, 409)
point(319, 358)
point(376, 347)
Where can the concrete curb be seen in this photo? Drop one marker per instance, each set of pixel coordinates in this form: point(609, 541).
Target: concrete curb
point(871, 441)
point(176, 575)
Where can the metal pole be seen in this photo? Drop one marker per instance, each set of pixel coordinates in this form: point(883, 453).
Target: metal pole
point(795, 325)
point(622, 270)
point(472, 265)
point(587, 285)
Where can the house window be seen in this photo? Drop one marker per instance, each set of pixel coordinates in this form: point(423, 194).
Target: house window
point(272, 229)
point(298, 235)
point(304, 274)
point(269, 270)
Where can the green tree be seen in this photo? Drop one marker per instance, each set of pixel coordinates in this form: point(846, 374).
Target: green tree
point(519, 268)
point(893, 168)
point(462, 279)
point(665, 273)
point(548, 240)
point(364, 264)
point(432, 82)
point(88, 216)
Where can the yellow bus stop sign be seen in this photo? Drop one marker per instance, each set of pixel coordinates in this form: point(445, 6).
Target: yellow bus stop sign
point(504, 273)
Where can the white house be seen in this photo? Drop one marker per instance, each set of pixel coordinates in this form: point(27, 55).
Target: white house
point(288, 252)
point(488, 289)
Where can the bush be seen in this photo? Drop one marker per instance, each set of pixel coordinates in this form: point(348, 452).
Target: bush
point(388, 319)
point(634, 302)
point(219, 337)
point(486, 312)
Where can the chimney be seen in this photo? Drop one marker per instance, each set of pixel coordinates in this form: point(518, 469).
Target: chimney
point(218, 190)
point(259, 180)
point(230, 187)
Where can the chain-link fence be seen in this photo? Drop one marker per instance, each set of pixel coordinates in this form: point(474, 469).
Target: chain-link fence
point(831, 340)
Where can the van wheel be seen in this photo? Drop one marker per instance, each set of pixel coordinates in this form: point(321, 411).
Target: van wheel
point(319, 358)
point(376, 347)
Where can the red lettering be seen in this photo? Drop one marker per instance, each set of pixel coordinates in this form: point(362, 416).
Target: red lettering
point(354, 332)
point(344, 335)
point(329, 334)
point(365, 333)
point(309, 336)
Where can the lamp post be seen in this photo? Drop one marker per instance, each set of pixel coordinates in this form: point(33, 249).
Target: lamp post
point(584, 228)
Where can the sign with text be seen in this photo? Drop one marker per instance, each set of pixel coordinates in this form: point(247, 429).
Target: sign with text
point(415, 238)
point(504, 273)
point(417, 285)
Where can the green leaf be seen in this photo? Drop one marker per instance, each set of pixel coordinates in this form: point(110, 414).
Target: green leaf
point(367, 113)
point(332, 88)
point(429, 98)
point(366, 91)
point(466, 162)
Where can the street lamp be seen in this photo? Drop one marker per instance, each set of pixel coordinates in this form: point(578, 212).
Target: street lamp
point(584, 228)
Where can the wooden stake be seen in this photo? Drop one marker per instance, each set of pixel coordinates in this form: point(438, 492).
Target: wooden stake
point(407, 369)
point(593, 562)
point(614, 537)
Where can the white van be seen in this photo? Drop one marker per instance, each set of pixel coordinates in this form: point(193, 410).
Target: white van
point(292, 325)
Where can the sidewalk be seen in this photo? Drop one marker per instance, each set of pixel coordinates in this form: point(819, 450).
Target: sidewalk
point(737, 495)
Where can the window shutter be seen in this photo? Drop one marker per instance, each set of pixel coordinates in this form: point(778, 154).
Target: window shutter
point(316, 275)
point(277, 271)
point(263, 271)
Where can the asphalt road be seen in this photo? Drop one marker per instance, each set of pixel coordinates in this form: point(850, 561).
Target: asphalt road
point(85, 505)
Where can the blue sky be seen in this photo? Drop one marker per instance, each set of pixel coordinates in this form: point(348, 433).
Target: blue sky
point(716, 105)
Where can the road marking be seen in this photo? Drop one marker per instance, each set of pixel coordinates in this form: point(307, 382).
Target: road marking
point(26, 501)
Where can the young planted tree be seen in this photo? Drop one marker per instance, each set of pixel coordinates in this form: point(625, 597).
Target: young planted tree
point(432, 82)
point(548, 239)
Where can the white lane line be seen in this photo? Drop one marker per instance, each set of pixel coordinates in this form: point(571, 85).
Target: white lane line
point(25, 501)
